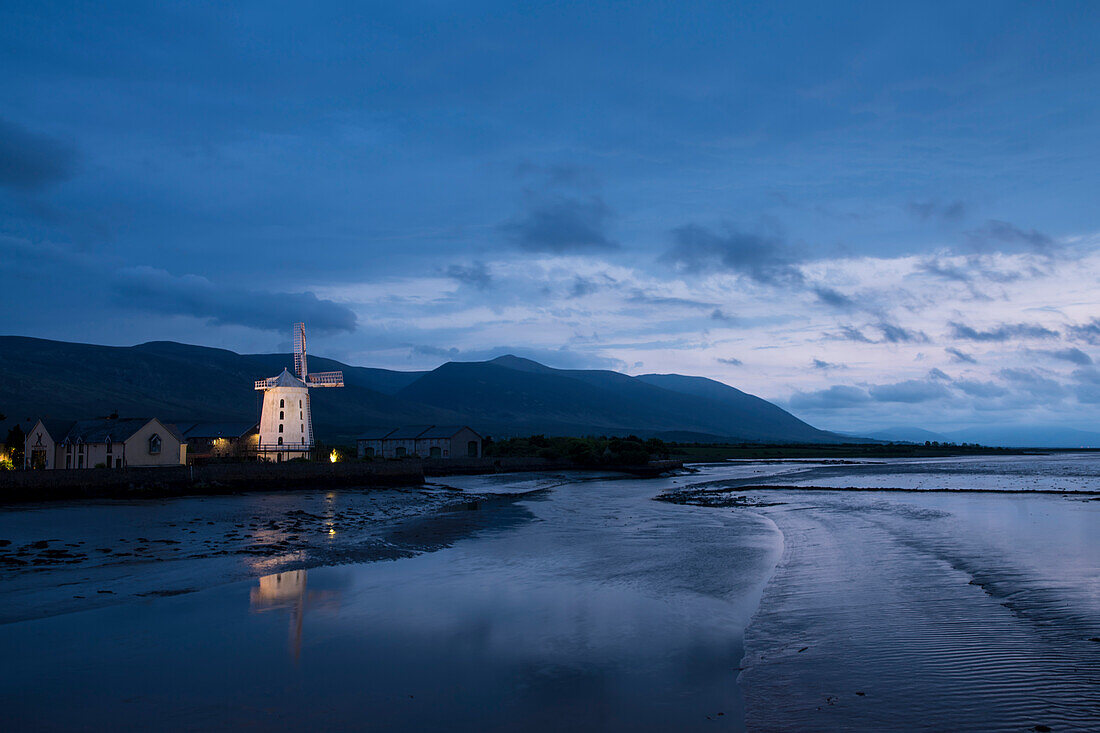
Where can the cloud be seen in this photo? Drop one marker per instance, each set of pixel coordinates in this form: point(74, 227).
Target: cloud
point(476, 274)
point(973, 267)
point(30, 161)
point(836, 299)
point(1088, 389)
point(765, 259)
point(826, 366)
point(730, 360)
point(582, 287)
point(983, 390)
point(944, 269)
point(1089, 332)
point(849, 333)
point(425, 350)
point(910, 391)
point(895, 334)
point(1072, 355)
point(1003, 332)
point(837, 397)
point(960, 357)
point(935, 373)
point(719, 315)
point(1030, 381)
point(1003, 233)
point(562, 225)
point(637, 295)
point(934, 210)
point(154, 290)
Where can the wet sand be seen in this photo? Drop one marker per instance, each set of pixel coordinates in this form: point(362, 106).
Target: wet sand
point(588, 606)
point(927, 610)
point(575, 602)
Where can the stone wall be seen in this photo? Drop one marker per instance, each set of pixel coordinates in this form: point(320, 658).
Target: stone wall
point(207, 479)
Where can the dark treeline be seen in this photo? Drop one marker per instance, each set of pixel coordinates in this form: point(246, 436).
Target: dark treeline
point(722, 451)
point(589, 451)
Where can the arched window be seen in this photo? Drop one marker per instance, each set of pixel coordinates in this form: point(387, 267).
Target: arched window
point(280, 440)
point(281, 403)
point(299, 404)
point(154, 444)
point(280, 427)
point(280, 414)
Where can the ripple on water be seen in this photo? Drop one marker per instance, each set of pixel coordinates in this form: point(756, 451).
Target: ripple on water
point(881, 620)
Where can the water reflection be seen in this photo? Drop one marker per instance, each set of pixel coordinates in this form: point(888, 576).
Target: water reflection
point(287, 591)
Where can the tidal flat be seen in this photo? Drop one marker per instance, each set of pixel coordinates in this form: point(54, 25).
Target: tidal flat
point(546, 602)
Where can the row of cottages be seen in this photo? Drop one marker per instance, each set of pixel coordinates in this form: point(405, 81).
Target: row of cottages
point(106, 443)
point(423, 441)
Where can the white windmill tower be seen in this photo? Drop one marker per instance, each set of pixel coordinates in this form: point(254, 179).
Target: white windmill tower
point(286, 427)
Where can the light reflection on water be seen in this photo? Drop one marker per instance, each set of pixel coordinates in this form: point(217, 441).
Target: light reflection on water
point(603, 610)
point(592, 607)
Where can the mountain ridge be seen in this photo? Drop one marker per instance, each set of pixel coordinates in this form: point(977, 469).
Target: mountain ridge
point(507, 395)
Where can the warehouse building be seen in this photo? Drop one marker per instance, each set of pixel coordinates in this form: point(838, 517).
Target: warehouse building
point(422, 441)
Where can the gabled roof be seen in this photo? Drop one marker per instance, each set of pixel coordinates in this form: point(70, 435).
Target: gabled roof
point(56, 429)
point(446, 431)
point(408, 432)
point(218, 429)
point(415, 432)
point(98, 431)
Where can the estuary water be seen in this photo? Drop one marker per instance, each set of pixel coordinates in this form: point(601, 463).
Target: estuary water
point(576, 602)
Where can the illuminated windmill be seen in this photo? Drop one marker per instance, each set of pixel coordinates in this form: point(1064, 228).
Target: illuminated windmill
point(286, 427)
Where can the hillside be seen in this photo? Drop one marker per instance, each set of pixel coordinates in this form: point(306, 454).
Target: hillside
point(505, 396)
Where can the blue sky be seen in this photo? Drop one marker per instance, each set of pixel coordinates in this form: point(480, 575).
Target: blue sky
point(871, 213)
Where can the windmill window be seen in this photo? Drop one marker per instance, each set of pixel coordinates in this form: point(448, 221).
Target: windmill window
point(154, 444)
point(280, 414)
point(300, 416)
point(280, 442)
point(280, 427)
point(299, 404)
point(282, 403)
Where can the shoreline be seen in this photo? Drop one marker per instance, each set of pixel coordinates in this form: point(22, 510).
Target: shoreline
point(219, 479)
point(684, 496)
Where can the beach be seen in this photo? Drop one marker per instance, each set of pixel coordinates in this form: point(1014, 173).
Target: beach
point(542, 602)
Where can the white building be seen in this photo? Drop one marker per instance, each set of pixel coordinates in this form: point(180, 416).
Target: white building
point(286, 423)
point(107, 443)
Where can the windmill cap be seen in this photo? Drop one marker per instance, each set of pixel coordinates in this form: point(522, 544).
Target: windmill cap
point(286, 379)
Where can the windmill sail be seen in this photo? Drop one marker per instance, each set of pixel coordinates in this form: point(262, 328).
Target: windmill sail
point(300, 350)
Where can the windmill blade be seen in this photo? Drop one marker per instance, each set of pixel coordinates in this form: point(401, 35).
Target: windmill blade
point(300, 350)
point(326, 379)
